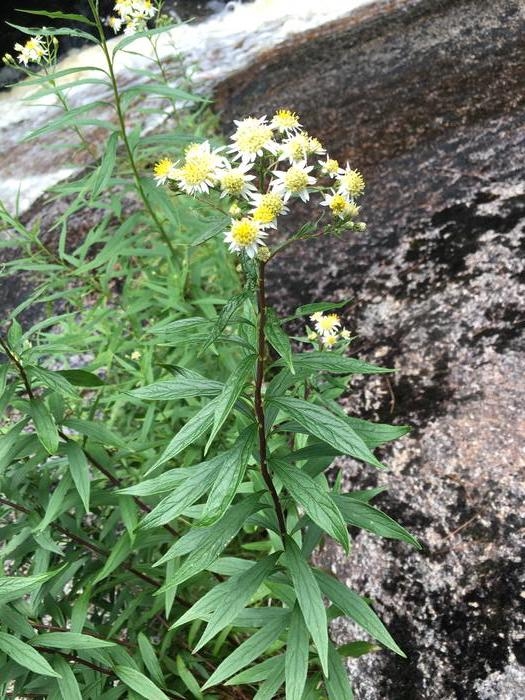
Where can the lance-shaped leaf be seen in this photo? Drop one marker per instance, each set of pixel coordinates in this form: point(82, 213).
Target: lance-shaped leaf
point(227, 478)
point(67, 684)
point(317, 503)
point(317, 361)
point(327, 427)
point(186, 493)
point(194, 429)
point(337, 684)
point(241, 588)
point(79, 470)
point(13, 587)
point(309, 309)
point(309, 598)
point(25, 655)
point(232, 305)
point(70, 640)
point(208, 542)
point(44, 425)
point(249, 650)
point(356, 512)
point(179, 388)
point(138, 682)
point(278, 339)
point(296, 660)
point(351, 604)
point(231, 391)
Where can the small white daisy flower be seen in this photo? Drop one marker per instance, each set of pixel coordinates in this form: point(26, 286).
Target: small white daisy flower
point(285, 121)
point(236, 182)
point(329, 340)
point(294, 182)
point(244, 235)
point(340, 205)
point(252, 138)
point(164, 170)
point(200, 169)
point(33, 51)
point(350, 182)
point(326, 325)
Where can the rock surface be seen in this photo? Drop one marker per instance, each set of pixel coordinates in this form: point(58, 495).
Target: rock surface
point(424, 97)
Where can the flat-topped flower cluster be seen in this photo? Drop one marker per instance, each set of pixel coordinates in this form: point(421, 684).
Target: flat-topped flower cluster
point(133, 15)
point(268, 163)
point(37, 49)
point(328, 330)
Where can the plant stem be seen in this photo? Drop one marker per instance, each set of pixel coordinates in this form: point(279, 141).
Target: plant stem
point(259, 406)
point(123, 132)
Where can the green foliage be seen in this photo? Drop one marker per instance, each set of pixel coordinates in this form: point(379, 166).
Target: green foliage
point(163, 439)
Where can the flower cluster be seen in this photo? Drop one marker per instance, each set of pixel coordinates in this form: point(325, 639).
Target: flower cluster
point(37, 49)
point(328, 330)
point(133, 15)
point(268, 163)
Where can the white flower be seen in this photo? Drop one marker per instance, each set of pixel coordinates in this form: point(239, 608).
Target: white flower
point(115, 23)
point(326, 325)
point(244, 235)
point(340, 205)
point(33, 51)
point(294, 182)
point(285, 121)
point(350, 182)
point(267, 207)
point(235, 182)
point(164, 170)
point(252, 138)
point(200, 169)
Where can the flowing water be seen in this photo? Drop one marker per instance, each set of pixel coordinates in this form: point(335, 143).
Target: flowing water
point(217, 47)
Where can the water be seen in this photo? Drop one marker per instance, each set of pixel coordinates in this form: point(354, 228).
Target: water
point(218, 47)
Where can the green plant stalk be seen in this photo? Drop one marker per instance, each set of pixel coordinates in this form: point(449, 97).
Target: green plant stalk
point(123, 132)
point(258, 399)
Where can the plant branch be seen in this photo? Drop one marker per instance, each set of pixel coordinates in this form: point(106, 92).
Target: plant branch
point(258, 400)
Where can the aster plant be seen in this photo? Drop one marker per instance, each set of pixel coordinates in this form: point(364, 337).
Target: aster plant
point(267, 483)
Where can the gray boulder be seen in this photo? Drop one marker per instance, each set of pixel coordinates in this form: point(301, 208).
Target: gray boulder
point(426, 98)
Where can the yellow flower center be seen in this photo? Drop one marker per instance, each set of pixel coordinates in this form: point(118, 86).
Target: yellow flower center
point(314, 145)
point(244, 232)
point(285, 119)
point(197, 170)
point(273, 202)
point(330, 167)
point(353, 182)
point(232, 182)
point(295, 180)
point(298, 147)
point(338, 204)
point(327, 324)
point(250, 138)
point(263, 214)
point(163, 167)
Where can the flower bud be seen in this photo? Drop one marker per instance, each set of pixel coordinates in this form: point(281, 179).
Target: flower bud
point(264, 254)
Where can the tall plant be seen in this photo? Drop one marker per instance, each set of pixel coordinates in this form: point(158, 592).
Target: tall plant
point(162, 501)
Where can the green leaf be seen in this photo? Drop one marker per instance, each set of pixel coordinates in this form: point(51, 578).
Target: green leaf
point(249, 650)
point(80, 377)
point(309, 599)
point(228, 478)
point(278, 339)
point(149, 656)
point(317, 503)
point(241, 587)
point(70, 640)
point(337, 684)
point(25, 655)
point(231, 391)
point(213, 229)
point(44, 425)
point(79, 470)
point(232, 305)
point(187, 678)
point(106, 166)
point(357, 649)
point(317, 361)
point(208, 542)
point(179, 388)
point(57, 503)
point(53, 380)
point(67, 684)
point(327, 427)
point(171, 479)
point(360, 514)
point(308, 309)
point(138, 682)
point(97, 432)
point(119, 553)
point(194, 429)
point(296, 660)
point(352, 605)
point(4, 368)
point(13, 587)
point(60, 15)
point(260, 672)
point(185, 494)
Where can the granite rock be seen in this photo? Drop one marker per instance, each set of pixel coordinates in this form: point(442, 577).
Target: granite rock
point(424, 98)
